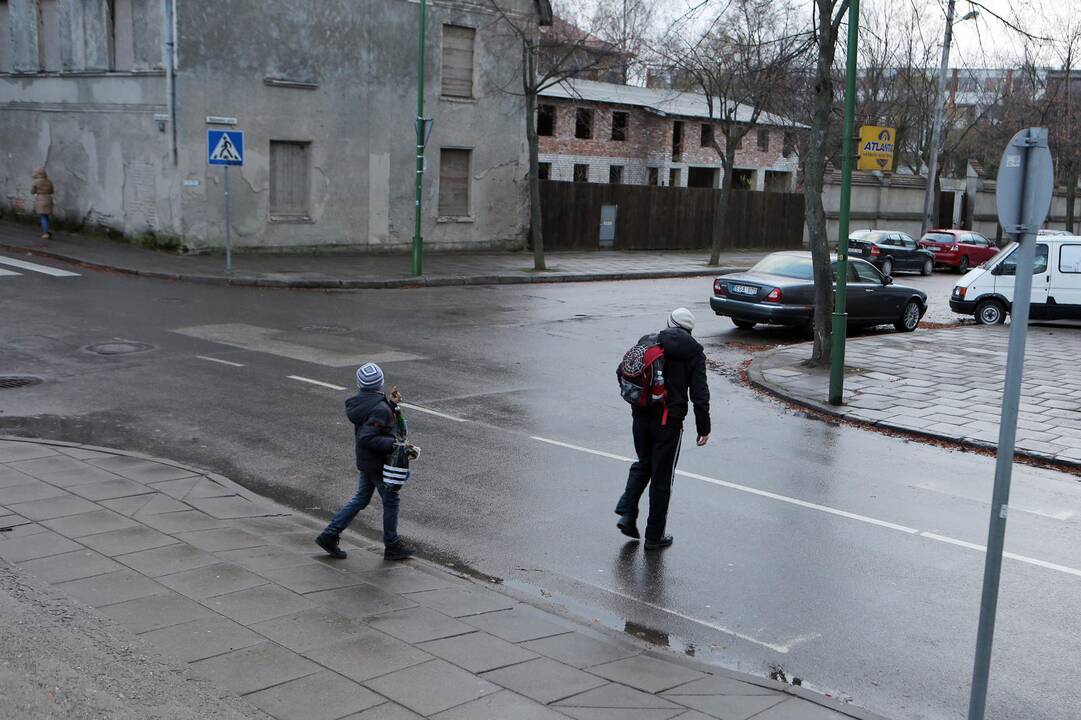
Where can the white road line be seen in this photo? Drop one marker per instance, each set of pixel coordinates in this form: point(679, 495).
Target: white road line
point(219, 360)
point(320, 383)
point(832, 511)
point(7, 273)
point(418, 408)
point(44, 269)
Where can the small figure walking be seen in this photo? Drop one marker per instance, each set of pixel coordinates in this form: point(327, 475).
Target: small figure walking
point(42, 187)
point(375, 421)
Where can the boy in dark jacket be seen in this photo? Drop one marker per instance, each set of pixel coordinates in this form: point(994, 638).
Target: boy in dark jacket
point(372, 414)
point(656, 440)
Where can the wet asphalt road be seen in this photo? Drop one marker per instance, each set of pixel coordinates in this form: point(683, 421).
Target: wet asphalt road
point(832, 553)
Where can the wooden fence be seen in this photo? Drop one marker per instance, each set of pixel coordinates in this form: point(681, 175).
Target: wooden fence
point(667, 218)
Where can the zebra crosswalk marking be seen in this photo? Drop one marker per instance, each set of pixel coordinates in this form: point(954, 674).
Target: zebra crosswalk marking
point(33, 267)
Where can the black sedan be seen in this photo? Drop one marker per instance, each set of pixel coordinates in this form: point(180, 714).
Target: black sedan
point(779, 290)
point(889, 250)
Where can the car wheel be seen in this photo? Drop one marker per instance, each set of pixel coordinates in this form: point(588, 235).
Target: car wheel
point(887, 266)
point(928, 267)
point(990, 312)
point(962, 267)
point(910, 317)
point(744, 324)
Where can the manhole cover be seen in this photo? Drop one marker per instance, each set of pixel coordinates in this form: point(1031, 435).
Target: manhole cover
point(328, 329)
point(8, 382)
point(119, 348)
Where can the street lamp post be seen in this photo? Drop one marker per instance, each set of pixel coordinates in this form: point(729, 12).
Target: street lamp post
point(418, 240)
point(936, 127)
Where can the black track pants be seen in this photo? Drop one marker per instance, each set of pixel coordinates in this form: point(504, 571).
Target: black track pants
point(657, 447)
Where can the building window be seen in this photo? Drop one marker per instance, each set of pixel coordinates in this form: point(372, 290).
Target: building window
point(546, 120)
point(778, 181)
point(5, 37)
point(763, 139)
point(454, 182)
point(742, 179)
point(48, 36)
point(615, 174)
point(707, 134)
point(121, 42)
point(583, 123)
point(702, 177)
point(458, 61)
point(544, 171)
point(289, 187)
point(619, 125)
point(677, 140)
point(739, 143)
point(654, 176)
point(673, 177)
point(789, 143)
point(581, 173)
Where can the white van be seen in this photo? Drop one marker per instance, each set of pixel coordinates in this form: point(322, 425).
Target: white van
point(987, 291)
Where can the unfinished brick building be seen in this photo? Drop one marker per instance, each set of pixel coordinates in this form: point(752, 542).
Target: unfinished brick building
point(607, 133)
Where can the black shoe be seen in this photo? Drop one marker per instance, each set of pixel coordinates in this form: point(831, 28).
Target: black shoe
point(658, 544)
point(330, 544)
point(628, 526)
point(398, 551)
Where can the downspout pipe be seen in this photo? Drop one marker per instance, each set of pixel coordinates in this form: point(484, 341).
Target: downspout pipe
point(169, 50)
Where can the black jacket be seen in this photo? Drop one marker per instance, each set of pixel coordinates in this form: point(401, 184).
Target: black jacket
point(684, 374)
point(372, 415)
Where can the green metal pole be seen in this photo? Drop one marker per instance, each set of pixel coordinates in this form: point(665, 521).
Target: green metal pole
point(418, 241)
point(848, 158)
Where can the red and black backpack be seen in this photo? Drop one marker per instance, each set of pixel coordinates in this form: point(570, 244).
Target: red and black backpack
point(641, 376)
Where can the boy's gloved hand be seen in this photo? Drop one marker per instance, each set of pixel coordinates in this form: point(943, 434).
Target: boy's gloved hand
point(394, 395)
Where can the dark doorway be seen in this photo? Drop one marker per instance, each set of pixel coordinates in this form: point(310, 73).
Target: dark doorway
point(945, 210)
point(702, 177)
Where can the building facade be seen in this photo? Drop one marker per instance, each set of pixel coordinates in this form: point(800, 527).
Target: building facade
point(115, 98)
point(601, 132)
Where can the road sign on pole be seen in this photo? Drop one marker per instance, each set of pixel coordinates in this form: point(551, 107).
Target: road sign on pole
point(1025, 185)
point(225, 148)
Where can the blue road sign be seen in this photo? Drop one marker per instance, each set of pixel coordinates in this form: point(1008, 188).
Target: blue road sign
point(225, 147)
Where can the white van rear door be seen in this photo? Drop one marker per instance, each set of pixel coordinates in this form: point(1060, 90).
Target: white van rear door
point(1066, 281)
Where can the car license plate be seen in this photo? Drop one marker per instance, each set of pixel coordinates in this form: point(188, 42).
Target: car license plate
point(936, 248)
point(744, 290)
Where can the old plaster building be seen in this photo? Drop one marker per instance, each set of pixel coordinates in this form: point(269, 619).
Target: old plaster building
point(115, 97)
point(607, 133)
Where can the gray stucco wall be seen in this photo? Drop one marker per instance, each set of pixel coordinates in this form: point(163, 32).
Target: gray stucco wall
point(111, 164)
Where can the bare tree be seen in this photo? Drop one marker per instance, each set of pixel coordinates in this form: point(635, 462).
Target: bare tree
point(628, 25)
point(551, 53)
point(741, 63)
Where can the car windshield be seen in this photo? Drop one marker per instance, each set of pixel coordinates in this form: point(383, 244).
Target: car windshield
point(791, 266)
point(939, 237)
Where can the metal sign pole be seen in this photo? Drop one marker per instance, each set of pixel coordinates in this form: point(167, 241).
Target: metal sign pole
point(1025, 157)
point(228, 237)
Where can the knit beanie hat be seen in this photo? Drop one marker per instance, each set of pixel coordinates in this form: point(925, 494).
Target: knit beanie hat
point(369, 377)
point(681, 317)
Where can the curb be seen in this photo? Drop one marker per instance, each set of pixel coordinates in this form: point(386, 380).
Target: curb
point(649, 649)
point(330, 283)
point(756, 378)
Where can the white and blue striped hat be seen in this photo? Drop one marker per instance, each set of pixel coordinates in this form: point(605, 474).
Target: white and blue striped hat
point(369, 377)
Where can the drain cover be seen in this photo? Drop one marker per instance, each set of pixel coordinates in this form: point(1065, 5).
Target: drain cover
point(8, 382)
point(119, 348)
point(328, 329)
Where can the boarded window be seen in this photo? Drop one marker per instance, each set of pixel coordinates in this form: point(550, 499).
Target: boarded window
point(546, 120)
point(458, 60)
point(654, 176)
point(454, 182)
point(615, 174)
point(544, 171)
point(707, 134)
point(5, 37)
point(619, 125)
point(289, 186)
point(581, 173)
point(677, 140)
point(121, 42)
point(583, 123)
point(673, 177)
point(763, 139)
point(48, 36)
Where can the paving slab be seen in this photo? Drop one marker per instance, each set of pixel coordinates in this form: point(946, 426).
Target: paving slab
point(795, 709)
point(203, 638)
point(256, 604)
point(477, 652)
point(264, 557)
point(310, 628)
point(647, 673)
point(110, 489)
point(129, 540)
point(419, 624)
point(78, 476)
point(54, 507)
point(582, 713)
point(140, 470)
point(404, 579)
point(172, 558)
point(70, 566)
point(111, 588)
point(9, 477)
point(386, 711)
point(719, 685)
point(90, 523)
point(227, 507)
point(361, 600)
point(503, 704)
point(323, 695)
point(359, 560)
point(367, 656)
point(312, 577)
point(255, 668)
point(155, 612)
point(28, 491)
point(32, 544)
point(431, 687)
point(15, 451)
point(520, 624)
point(44, 461)
point(177, 489)
point(128, 506)
point(732, 707)
point(613, 695)
point(462, 602)
point(211, 580)
point(579, 650)
point(544, 680)
point(225, 538)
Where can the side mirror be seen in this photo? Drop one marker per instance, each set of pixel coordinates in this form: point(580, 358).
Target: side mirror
point(888, 280)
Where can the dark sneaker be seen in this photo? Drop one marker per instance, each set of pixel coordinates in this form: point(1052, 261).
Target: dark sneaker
point(628, 526)
point(330, 544)
point(658, 544)
point(398, 551)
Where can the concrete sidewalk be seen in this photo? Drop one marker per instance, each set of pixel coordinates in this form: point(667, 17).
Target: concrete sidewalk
point(233, 586)
point(947, 385)
point(339, 269)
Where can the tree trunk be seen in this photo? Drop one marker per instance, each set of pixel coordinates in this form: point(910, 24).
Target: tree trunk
point(1071, 197)
point(813, 171)
point(536, 229)
point(720, 220)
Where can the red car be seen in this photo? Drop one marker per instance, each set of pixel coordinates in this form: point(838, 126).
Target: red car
point(961, 249)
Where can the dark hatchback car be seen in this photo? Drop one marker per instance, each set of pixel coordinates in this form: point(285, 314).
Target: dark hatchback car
point(889, 250)
point(779, 290)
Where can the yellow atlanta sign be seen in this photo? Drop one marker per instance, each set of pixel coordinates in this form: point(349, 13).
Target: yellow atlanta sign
point(876, 148)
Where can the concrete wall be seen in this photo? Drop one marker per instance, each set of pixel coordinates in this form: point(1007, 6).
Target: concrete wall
point(350, 72)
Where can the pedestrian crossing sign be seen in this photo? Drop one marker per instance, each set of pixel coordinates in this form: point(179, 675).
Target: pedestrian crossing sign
point(225, 147)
